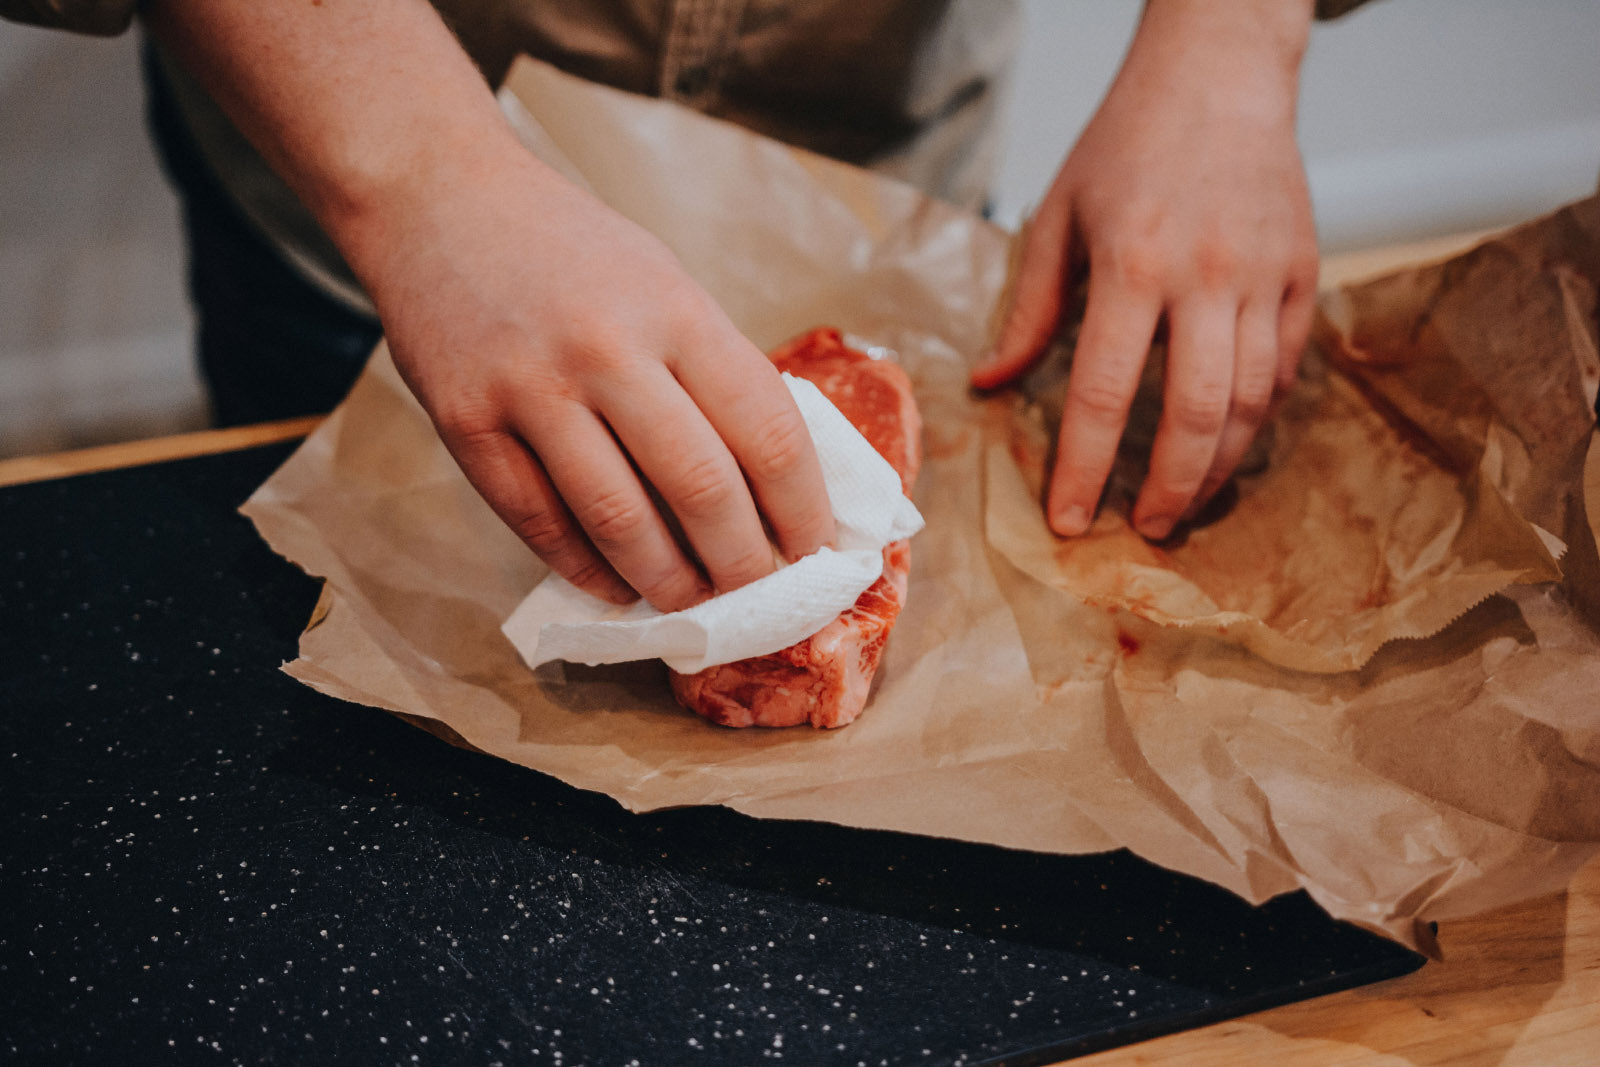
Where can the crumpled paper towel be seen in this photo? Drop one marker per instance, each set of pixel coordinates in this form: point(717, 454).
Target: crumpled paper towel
point(559, 621)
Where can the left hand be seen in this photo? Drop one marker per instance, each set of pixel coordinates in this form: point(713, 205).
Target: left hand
point(1186, 202)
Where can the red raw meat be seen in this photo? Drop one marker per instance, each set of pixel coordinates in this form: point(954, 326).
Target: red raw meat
point(824, 679)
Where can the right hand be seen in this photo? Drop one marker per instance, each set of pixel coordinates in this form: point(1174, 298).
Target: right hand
point(565, 357)
point(572, 368)
point(1185, 204)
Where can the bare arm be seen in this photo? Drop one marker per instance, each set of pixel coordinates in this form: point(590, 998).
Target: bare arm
point(563, 354)
point(1185, 201)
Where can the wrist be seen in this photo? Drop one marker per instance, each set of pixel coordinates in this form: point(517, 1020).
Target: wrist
point(1242, 54)
point(367, 194)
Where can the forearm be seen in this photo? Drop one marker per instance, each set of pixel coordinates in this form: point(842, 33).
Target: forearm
point(585, 384)
point(363, 109)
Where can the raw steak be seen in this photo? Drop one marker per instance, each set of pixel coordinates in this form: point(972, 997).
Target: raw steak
point(824, 679)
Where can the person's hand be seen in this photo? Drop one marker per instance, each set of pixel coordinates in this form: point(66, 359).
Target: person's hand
point(595, 396)
point(1185, 201)
point(573, 369)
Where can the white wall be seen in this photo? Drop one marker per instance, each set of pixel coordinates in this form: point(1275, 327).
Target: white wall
point(1417, 117)
point(95, 326)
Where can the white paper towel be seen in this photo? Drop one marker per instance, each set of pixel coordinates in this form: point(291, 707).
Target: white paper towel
point(559, 621)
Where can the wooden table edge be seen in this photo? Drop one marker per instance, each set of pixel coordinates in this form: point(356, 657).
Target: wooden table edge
point(1517, 985)
point(23, 469)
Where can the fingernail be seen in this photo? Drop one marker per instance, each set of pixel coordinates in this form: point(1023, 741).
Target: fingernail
point(1155, 528)
point(1070, 521)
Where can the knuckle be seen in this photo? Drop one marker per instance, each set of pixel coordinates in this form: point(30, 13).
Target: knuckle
point(1251, 407)
point(671, 589)
point(616, 519)
point(543, 530)
point(811, 535)
point(607, 347)
point(693, 313)
point(1201, 410)
point(780, 449)
point(1100, 397)
point(1139, 266)
point(467, 424)
point(585, 571)
point(541, 386)
point(1217, 265)
point(745, 567)
point(600, 353)
point(703, 489)
point(1252, 401)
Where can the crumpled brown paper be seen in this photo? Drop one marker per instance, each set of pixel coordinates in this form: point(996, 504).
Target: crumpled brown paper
point(1445, 776)
point(1422, 472)
point(1490, 357)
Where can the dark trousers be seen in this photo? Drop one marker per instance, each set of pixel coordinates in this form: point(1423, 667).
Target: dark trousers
point(271, 345)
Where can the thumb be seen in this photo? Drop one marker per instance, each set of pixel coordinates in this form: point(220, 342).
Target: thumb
point(1037, 286)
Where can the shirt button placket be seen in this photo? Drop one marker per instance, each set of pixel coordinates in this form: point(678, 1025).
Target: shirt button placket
point(700, 35)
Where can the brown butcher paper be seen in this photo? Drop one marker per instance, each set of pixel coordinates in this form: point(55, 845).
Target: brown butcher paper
point(1416, 741)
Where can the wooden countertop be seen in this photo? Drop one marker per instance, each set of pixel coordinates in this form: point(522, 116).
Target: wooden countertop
point(1520, 985)
point(22, 469)
point(1517, 986)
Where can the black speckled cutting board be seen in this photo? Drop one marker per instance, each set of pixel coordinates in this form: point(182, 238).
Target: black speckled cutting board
point(205, 862)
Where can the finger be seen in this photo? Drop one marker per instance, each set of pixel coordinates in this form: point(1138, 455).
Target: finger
point(1255, 375)
point(1194, 408)
point(1294, 329)
point(1118, 324)
point(514, 483)
point(743, 396)
point(689, 465)
point(612, 505)
point(1038, 291)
